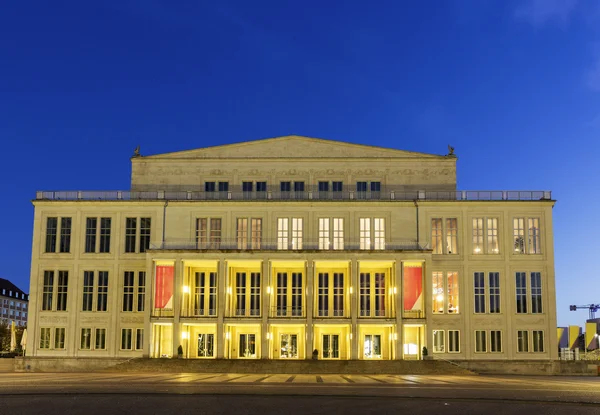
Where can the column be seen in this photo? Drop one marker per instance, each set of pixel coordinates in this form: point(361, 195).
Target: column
point(222, 301)
point(399, 309)
point(354, 309)
point(177, 292)
point(310, 304)
point(265, 280)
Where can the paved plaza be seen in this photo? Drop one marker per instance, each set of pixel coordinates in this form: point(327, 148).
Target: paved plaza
point(208, 393)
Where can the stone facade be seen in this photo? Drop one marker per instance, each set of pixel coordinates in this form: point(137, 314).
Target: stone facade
point(288, 247)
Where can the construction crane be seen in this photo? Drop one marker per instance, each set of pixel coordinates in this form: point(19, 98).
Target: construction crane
point(591, 307)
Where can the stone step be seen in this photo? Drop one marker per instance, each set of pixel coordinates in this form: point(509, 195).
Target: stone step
point(392, 367)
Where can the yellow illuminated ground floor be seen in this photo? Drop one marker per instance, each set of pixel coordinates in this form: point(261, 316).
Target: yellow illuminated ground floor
point(324, 341)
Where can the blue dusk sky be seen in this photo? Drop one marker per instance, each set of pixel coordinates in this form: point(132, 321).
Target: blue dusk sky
point(514, 86)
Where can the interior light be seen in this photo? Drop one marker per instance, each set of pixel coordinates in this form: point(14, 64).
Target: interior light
point(440, 297)
point(186, 289)
point(395, 290)
point(351, 290)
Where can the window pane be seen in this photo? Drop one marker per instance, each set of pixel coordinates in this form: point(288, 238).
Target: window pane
point(51, 229)
point(452, 236)
point(91, 225)
point(65, 234)
point(436, 235)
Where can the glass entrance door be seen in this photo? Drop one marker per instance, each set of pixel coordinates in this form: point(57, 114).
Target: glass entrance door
point(331, 346)
point(288, 346)
point(247, 346)
point(206, 345)
point(372, 346)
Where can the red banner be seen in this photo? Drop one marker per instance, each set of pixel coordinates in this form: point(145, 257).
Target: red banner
point(164, 286)
point(413, 288)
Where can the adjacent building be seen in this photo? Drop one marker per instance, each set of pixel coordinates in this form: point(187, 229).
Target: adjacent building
point(291, 247)
point(13, 304)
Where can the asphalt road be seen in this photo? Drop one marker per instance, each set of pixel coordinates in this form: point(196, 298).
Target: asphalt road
point(146, 393)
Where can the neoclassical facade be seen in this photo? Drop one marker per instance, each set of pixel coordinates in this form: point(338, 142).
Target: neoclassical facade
point(291, 247)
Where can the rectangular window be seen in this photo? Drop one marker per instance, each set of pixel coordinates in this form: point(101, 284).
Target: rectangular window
point(242, 233)
point(261, 187)
point(65, 235)
point(208, 233)
point(205, 294)
point(94, 243)
point(91, 225)
point(105, 224)
point(495, 341)
point(247, 187)
point(88, 290)
point(337, 187)
point(372, 346)
point(494, 279)
point(536, 293)
point(45, 338)
point(451, 236)
point(480, 341)
point(330, 303)
point(282, 233)
point(365, 233)
point(215, 233)
point(209, 186)
point(63, 286)
point(223, 187)
point(538, 341)
point(453, 292)
point(323, 189)
point(453, 341)
point(299, 187)
point(436, 235)
point(86, 339)
point(102, 298)
point(521, 287)
point(478, 235)
point(126, 339)
point(519, 235)
point(130, 233)
point(48, 291)
point(361, 190)
point(297, 232)
point(249, 237)
point(145, 232)
point(128, 290)
point(438, 292)
point(379, 233)
point(479, 291)
point(289, 294)
point(206, 343)
point(59, 338)
point(438, 341)
point(324, 232)
point(51, 231)
point(338, 233)
point(522, 341)
point(533, 226)
point(100, 339)
point(141, 293)
point(375, 188)
point(255, 233)
point(492, 236)
point(331, 346)
point(285, 186)
point(247, 294)
point(372, 295)
point(139, 339)
point(441, 302)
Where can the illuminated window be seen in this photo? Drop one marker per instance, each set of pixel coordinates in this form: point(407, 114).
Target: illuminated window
point(208, 233)
point(249, 237)
point(530, 243)
point(287, 240)
point(445, 292)
point(444, 231)
point(372, 233)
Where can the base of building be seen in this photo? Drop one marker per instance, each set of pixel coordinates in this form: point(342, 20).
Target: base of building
point(359, 367)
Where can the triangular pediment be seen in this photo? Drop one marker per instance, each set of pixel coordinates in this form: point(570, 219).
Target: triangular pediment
point(293, 146)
